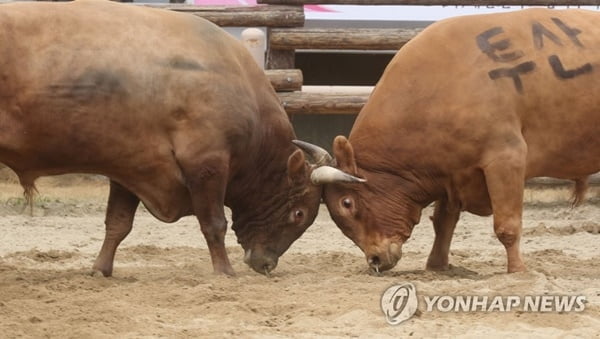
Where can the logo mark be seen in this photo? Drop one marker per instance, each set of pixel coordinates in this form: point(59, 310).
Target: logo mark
point(399, 303)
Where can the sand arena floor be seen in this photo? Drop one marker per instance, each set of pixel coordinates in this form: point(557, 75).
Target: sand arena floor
point(163, 285)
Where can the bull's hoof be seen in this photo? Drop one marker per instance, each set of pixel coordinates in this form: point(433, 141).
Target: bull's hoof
point(101, 270)
point(437, 266)
point(517, 268)
point(224, 271)
point(98, 273)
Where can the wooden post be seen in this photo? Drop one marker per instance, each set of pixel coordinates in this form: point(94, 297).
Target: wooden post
point(255, 42)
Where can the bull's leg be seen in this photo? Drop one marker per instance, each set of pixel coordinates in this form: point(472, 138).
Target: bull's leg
point(206, 178)
point(444, 220)
point(120, 212)
point(505, 178)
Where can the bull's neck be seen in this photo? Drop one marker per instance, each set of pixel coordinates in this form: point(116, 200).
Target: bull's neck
point(262, 170)
point(420, 187)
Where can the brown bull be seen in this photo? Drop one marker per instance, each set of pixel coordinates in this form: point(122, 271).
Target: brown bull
point(463, 114)
point(168, 106)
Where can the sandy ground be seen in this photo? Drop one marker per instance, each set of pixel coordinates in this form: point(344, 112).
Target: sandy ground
point(163, 284)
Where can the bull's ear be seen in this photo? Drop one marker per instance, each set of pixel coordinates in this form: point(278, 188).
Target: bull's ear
point(344, 155)
point(297, 167)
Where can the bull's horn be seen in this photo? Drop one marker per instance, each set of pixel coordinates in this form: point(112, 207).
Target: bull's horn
point(330, 175)
point(319, 155)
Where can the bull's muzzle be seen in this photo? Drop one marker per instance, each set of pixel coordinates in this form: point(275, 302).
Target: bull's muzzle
point(262, 263)
point(384, 258)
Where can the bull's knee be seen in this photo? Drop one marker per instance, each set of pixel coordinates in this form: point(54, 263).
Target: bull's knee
point(117, 231)
point(214, 231)
point(508, 236)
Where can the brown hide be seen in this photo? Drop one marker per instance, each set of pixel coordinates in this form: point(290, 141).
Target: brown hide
point(167, 105)
point(463, 114)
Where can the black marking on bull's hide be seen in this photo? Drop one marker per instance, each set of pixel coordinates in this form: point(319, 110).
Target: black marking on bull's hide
point(569, 31)
point(563, 73)
point(539, 31)
point(491, 48)
point(90, 85)
point(513, 73)
point(182, 63)
point(179, 114)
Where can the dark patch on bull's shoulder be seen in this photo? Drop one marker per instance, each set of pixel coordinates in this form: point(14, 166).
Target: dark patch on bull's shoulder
point(183, 63)
point(179, 114)
point(89, 85)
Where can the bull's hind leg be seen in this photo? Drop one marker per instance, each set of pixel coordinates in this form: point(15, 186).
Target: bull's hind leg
point(120, 212)
point(444, 220)
point(505, 178)
point(206, 178)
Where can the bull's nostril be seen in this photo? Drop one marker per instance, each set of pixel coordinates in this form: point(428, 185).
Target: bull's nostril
point(268, 268)
point(374, 261)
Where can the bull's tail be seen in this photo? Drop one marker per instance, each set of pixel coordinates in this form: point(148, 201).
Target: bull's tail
point(581, 187)
point(29, 192)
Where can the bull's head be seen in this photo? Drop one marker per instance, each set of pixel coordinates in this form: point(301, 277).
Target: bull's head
point(369, 208)
point(281, 209)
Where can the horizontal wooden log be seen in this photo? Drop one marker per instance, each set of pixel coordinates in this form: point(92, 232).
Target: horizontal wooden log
point(285, 80)
point(317, 103)
point(244, 16)
point(355, 39)
point(438, 2)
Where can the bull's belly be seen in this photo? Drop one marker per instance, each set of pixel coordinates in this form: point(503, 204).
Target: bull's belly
point(160, 188)
point(470, 189)
point(571, 158)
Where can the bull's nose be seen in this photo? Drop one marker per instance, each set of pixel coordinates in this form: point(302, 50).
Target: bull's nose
point(379, 262)
point(374, 263)
point(262, 264)
point(267, 268)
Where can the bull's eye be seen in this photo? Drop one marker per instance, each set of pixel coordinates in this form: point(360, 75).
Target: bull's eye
point(298, 214)
point(347, 203)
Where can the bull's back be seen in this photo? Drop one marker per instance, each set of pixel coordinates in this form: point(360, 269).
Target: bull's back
point(120, 90)
point(111, 79)
point(470, 83)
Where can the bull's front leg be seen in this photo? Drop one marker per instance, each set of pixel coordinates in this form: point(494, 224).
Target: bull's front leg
point(120, 212)
point(206, 179)
point(445, 217)
point(505, 178)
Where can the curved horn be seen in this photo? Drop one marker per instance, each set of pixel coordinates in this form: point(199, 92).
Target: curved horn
point(330, 175)
point(319, 155)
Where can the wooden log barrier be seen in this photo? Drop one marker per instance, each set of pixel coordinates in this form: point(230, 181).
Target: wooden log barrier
point(285, 80)
point(354, 39)
point(244, 16)
point(322, 103)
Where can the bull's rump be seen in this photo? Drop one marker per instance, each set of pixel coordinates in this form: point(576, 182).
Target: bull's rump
point(90, 83)
point(471, 84)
